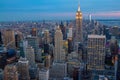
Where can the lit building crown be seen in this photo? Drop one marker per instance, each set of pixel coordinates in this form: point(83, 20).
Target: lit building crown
point(78, 13)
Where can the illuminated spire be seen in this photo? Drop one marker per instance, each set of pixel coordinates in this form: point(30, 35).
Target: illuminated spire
point(79, 6)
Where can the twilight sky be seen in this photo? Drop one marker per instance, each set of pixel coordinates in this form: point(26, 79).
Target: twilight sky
point(12, 10)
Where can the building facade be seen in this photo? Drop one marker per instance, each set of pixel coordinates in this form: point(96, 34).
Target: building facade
point(96, 52)
point(59, 55)
point(79, 31)
point(10, 72)
point(23, 69)
point(30, 55)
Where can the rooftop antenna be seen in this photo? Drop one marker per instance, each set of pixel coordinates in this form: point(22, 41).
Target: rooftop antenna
point(78, 5)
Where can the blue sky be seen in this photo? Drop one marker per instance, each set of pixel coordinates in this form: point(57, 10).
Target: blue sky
point(12, 10)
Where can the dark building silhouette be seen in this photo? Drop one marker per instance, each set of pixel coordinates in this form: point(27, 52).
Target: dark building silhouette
point(76, 73)
point(3, 59)
point(1, 41)
point(63, 29)
point(46, 48)
point(118, 68)
point(70, 45)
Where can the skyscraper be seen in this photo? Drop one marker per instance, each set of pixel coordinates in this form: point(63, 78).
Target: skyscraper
point(44, 74)
point(23, 69)
point(58, 71)
point(79, 34)
point(33, 41)
point(18, 39)
point(30, 55)
point(46, 37)
point(1, 40)
point(59, 55)
point(10, 72)
point(63, 30)
point(34, 31)
point(47, 61)
point(9, 38)
point(96, 52)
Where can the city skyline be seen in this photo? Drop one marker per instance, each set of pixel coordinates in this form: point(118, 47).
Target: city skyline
point(18, 10)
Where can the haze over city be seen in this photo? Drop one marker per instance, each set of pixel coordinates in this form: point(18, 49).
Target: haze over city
point(19, 10)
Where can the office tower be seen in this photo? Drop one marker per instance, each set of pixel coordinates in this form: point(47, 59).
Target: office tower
point(96, 52)
point(114, 47)
point(46, 41)
point(47, 61)
point(30, 55)
point(33, 41)
point(46, 37)
point(23, 46)
point(39, 56)
point(44, 74)
point(59, 55)
point(10, 72)
point(1, 40)
point(115, 31)
point(90, 17)
point(79, 34)
point(9, 38)
point(18, 39)
point(80, 51)
point(70, 45)
point(23, 69)
point(63, 30)
point(46, 48)
point(34, 31)
point(69, 34)
point(118, 68)
point(58, 71)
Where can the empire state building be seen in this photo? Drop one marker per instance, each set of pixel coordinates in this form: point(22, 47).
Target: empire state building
point(79, 34)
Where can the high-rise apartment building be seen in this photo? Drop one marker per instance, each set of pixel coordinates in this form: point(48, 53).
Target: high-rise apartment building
point(59, 55)
point(96, 52)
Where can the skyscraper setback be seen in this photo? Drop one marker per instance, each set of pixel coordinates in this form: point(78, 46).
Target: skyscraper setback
point(59, 55)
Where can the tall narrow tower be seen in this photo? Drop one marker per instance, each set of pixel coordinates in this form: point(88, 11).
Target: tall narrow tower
point(59, 55)
point(79, 35)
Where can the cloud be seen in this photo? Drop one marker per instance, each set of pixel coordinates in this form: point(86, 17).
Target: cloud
point(107, 14)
